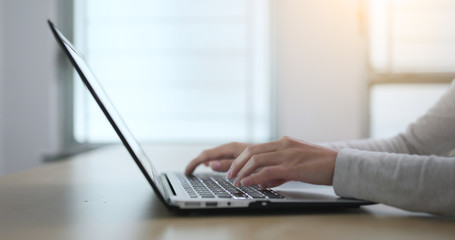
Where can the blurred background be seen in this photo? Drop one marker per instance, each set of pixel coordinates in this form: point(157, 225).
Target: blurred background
point(215, 71)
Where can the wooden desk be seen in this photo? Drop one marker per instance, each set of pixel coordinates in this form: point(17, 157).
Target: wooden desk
point(102, 195)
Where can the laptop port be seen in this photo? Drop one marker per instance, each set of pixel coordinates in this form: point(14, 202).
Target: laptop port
point(192, 204)
point(211, 204)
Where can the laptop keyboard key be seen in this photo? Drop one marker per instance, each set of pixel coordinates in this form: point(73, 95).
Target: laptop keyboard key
point(225, 195)
point(207, 196)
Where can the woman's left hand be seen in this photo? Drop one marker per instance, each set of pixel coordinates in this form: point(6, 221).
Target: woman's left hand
point(274, 163)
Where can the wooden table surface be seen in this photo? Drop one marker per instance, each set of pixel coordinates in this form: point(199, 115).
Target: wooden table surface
point(102, 195)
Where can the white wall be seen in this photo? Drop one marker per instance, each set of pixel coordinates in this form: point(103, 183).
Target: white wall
point(30, 87)
point(320, 69)
point(2, 19)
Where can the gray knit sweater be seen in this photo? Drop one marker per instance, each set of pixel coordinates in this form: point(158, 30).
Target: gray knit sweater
point(414, 170)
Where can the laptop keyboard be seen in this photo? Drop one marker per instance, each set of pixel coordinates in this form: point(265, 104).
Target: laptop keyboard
point(215, 186)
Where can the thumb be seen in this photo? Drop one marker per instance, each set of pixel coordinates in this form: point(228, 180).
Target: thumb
point(221, 165)
point(272, 183)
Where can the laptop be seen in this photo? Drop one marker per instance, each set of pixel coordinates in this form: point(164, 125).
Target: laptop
point(201, 192)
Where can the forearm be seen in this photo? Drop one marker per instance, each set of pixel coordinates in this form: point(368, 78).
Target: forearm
point(416, 183)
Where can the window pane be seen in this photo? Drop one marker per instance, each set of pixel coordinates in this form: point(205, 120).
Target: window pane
point(176, 70)
point(395, 106)
point(412, 36)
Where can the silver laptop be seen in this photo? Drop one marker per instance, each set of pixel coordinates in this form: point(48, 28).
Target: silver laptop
point(206, 191)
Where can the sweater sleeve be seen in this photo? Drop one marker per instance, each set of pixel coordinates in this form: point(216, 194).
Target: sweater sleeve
point(414, 170)
point(411, 182)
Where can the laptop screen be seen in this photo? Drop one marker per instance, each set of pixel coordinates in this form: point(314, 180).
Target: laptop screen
point(109, 111)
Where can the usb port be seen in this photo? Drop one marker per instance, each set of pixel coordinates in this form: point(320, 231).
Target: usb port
point(192, 204)
point(211, 204)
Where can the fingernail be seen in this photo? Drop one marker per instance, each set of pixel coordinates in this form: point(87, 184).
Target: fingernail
point(237, 183)
point(215, 165)
point(228, 174)
point(246, 182)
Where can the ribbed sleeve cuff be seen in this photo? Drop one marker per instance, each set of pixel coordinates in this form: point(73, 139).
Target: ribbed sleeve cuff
point(344, 177)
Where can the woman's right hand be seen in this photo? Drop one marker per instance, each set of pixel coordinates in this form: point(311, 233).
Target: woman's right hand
point(219, 158)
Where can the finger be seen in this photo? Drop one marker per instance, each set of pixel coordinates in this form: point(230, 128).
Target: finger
point(220, 152)
point(267, 175)
point(221, 165)
point(230, 150)
point(258, 161)
point(250, 151)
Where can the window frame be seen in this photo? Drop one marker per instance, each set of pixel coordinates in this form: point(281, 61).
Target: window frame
point(69, 146)
point(387, 76)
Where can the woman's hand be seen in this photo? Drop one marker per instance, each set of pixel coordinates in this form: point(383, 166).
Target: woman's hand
point(271, 164)
point(274, 163)
point(219, 158)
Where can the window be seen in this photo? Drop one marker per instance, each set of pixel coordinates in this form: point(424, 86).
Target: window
point(394, 106)
point(412, 59)
point(177, 71)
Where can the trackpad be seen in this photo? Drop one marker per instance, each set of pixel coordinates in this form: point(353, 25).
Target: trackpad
point(304, 191)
